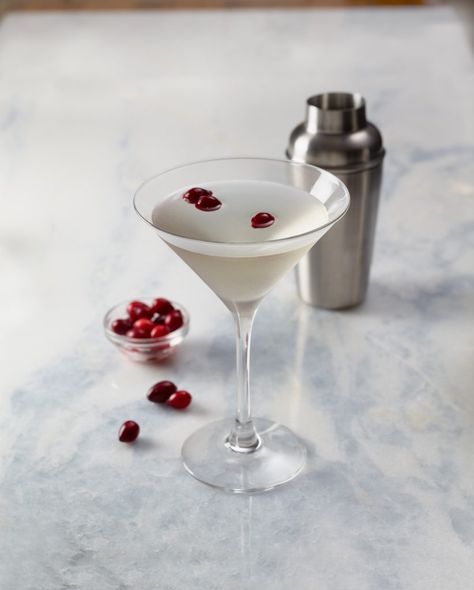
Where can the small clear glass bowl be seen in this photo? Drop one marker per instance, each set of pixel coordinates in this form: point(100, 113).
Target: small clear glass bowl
point(144, 350)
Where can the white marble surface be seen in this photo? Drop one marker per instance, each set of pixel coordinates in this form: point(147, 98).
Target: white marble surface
point(90, 105)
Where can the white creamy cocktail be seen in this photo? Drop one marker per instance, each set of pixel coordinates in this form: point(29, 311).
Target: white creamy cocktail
point(241, 224)
point(241, 274)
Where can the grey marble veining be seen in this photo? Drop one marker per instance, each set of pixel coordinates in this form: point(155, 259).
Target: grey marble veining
point(90, 105)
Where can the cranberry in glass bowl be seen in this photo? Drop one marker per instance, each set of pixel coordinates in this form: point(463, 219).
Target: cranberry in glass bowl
point(137, 342)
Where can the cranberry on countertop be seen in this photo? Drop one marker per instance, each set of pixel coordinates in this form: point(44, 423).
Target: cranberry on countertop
point(262, 219)
point(161, 391)
point(129, 431)
point(179, 400)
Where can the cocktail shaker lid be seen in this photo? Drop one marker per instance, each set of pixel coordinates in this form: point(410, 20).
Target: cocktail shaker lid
point(336, 134)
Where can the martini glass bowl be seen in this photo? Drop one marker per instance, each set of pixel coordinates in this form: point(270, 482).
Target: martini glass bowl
point(242, 453)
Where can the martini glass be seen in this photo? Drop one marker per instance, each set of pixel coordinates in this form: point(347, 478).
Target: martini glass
point(243, 454)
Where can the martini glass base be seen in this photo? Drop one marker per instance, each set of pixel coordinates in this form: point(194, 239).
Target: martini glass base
point(279, 458)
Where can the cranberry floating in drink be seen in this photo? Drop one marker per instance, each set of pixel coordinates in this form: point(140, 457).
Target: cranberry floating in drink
point(262, 219)
point(208, 203)
point(193, 194)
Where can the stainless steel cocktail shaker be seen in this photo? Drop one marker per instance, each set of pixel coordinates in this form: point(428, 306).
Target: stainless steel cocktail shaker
point(337, 136)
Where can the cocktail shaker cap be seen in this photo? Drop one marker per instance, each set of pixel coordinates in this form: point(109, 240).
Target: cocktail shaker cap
point(336, 134)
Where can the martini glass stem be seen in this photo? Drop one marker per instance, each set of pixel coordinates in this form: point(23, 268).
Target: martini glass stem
point(243, 437)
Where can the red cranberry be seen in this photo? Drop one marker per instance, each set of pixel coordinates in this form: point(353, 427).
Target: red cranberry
point(208, 203)
point(158, 319)
point(193, 194)
point(161, 306)
point(140, 334)
point(128, 431)
point(161, 391)
point(160, 331)
point(137, 310)
point(143, 326)
point(179, 400)
point(262, 220)
point(121, 326)
point(174, 320)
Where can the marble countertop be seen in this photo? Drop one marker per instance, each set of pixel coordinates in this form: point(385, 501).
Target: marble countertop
point(93, 103)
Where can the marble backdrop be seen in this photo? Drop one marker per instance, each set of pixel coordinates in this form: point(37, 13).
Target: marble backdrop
point(93, 103)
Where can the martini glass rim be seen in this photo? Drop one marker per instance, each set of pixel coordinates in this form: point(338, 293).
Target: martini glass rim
point(289, 163)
